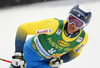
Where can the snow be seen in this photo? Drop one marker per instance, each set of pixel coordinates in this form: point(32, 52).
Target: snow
point(12, 17)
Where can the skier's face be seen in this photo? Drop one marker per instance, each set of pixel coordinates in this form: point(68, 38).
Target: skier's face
point(71, 28)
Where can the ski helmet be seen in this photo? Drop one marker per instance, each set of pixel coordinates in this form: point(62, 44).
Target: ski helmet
point(81, 13)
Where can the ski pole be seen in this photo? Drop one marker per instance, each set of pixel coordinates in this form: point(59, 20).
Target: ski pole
point(5, 60)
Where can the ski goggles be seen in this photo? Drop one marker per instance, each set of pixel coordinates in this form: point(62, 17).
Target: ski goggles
point(77, 22)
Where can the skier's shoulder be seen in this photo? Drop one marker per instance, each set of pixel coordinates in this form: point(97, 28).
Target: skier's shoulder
point(60, 20)
point(85, 34)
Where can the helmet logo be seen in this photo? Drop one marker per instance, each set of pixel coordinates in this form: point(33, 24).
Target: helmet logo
point(79, 12)
point(78, 15)
point(86, 17)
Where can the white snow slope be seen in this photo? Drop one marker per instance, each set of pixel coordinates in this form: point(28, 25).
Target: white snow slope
point(11, 18)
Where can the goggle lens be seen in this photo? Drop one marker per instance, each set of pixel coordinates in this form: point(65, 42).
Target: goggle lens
point(74, 20)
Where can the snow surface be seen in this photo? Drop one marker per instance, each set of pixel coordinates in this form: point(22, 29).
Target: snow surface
point(12, 17)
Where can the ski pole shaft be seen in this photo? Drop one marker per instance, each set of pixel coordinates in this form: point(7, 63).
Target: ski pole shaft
point(5, 60)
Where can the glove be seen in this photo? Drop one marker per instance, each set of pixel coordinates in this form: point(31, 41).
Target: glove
point(18, 60)
point(55, 62)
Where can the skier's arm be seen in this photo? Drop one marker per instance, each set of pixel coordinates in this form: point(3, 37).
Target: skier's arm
point(75, 52)
point(31, 28)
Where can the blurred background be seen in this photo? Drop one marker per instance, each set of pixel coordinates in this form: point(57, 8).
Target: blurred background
point(16, 12)
point(8, 3)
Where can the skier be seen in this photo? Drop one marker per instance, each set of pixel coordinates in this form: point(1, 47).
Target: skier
point(55, 41)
